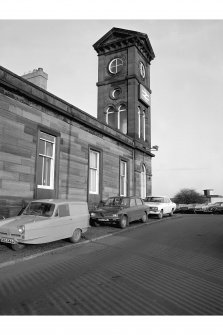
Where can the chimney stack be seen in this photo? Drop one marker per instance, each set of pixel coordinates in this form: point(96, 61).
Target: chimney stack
point(37, 77)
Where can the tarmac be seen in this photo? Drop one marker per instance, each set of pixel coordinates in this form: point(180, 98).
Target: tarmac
point(9, 257)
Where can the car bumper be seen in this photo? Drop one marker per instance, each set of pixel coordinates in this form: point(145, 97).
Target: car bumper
point(154, 212)
point(9, 239)
point(105, 219)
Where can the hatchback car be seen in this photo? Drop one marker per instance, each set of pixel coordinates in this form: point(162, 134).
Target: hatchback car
point(160, 206)
point(44, 221)
point(120, 211)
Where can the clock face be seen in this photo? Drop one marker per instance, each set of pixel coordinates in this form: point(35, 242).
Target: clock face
point(142, 69)
point(115, 65)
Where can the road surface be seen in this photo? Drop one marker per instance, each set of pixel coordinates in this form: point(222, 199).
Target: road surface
point(171, 267)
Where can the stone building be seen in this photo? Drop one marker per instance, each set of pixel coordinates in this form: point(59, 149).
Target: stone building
point(52, 149)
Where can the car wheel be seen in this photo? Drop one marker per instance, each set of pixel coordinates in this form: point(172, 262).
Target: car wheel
point(160, 215)
point(95, 223)
point(17, 247)
point(123, 222)
point(76, 236)
point(144, 218)
point(171, 213)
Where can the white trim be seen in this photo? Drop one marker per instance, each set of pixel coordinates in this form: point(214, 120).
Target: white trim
point(139, 122)
point(115, 66)
point(144, 124)
point(52, 161)
point(124, 177)
point(143, 182)
point(97, 172)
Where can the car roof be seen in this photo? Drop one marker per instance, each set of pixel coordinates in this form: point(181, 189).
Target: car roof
point(59, 201)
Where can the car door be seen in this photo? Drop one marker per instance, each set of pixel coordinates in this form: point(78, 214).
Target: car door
point(131, 210)
point(140, 208)
point(61, 225)
point(168, 205)
point(165, 205)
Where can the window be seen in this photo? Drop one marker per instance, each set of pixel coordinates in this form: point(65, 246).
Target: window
point(141, 124)
point(39, 209)
point(115, 65)
point(63, 210)
point(144, 125)
point(132, 202)
point(115, 93)
point(139, 202)
point(94, 172)
point(46, 161)
point(143, 182)
point(122, 119)
point(111, 117)
point(117, 119)
point(123, 178)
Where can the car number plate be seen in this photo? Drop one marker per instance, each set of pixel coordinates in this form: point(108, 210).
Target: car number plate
point(7, 240)
point(103, 219)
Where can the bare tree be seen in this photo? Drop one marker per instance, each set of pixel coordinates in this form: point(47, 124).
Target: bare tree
point(188, 196)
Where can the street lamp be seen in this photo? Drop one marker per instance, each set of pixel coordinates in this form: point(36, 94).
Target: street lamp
point(154, 148)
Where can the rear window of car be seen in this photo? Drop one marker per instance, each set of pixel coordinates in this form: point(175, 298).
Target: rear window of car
point(155, 199)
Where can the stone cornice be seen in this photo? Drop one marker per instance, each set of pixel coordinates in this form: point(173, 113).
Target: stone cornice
point(20, 86)
point(117, 80)
point(124, 39)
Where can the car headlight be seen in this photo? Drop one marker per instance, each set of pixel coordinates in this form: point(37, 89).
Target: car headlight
point(154, 209)
point(93, 214)
point(21, 229)
point(115, 215)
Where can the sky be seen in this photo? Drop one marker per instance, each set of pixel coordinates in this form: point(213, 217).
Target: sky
point(186, 84)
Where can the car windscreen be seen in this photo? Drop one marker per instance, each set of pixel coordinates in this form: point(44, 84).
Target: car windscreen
point(40, 209)
point(155, 199)
point(116, 201)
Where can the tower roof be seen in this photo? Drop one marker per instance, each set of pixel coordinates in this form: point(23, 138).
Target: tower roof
point(117, 38)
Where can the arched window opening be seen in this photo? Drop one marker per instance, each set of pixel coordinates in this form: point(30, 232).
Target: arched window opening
point(111, 117)
point(123, 178)
point(139, 122)
point(115, 65)
point(122, 119)
point(143, 182)
point(144, 125)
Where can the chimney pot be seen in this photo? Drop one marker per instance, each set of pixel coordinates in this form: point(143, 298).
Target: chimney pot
point(37, 77)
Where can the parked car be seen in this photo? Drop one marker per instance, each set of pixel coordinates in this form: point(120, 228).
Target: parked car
point(218, 209)
point(120, 211)
point(44, 221)
point(188, 209)
point(200, 208)
point(207, 207)
point(213, 206)
point(160, 205)
point(180, 208)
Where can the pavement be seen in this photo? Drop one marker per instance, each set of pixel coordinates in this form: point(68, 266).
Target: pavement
point(10, 257)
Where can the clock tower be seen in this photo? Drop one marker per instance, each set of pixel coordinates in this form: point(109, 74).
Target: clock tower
point(124, 95)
